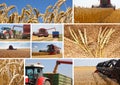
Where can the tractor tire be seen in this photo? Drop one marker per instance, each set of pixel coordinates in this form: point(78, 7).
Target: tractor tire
point(11, 36)
point(6, 36)
point(47, 82)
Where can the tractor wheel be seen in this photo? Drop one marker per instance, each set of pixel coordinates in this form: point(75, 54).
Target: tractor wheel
point(6, 36)
point(11, 36)
point(47, 82)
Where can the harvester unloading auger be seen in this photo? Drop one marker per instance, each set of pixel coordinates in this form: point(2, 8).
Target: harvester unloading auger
point(104, 4)
point(110, 69)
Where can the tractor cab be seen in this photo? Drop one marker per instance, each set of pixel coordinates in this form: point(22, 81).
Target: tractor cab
point(33, 72)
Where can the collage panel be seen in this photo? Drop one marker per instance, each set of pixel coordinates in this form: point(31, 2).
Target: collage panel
point(92, 40)
point(15, 32)
point(96, 11)
point(14, 50)
point(39, 11)
point(11, 72)
point(47, 32)
point(48, 71)
point(47, 50)
point(97, 71)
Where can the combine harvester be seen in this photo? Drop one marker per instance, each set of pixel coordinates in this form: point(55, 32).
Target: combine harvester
point(110, 69)
point(104, 4)
point(35, 76)
point(52, 49)
point(43, 32)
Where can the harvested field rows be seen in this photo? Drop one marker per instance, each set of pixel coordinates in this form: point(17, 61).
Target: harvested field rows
point(96, 15)
point(86, 76)
point(19, 53)
point(45, 55)
point(93, 45)
point(49, 38)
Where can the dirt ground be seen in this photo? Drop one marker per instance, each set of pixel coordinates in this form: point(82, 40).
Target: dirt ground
point(86, 76)
point(45, 55)
point(110, 50)
point(19, 53)
point(14, 39)
point(49, 38)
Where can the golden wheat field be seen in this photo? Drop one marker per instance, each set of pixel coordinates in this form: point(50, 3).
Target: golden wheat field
point(96, 15)
point(19, 53)
point(11, 72)
point(84, 75)
point(94, 41)
point(52, 14)
point(49, 38)
point(45, 55)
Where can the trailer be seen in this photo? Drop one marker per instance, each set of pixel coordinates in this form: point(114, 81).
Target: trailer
point(58, 79)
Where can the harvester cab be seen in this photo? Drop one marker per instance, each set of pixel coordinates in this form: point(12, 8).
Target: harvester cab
point(104, 4)
point(110, 69)
point(34, 75)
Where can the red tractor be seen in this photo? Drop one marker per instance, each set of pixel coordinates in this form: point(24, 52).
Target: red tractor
point(6, 33)
point(104, 4)
point(34, 75)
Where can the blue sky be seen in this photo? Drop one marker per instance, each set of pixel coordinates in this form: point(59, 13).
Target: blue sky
point(49, 65)
point(89, 3)
point(5, 45)
point(39, 4)
point(58, 27)
point(43, 46)
point(11, 26)
point(89, 62)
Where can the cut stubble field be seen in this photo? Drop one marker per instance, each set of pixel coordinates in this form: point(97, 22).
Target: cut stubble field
point(19, 53)
point(49, 38)
point(45, 55)
point(84, 75)
point(96, 15)
point(15, 40)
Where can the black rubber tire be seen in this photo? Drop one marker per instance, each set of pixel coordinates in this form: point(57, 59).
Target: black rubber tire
point(47, 83)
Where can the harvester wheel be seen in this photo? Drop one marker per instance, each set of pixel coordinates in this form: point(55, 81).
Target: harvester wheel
point(6, 36)
point(47, 82)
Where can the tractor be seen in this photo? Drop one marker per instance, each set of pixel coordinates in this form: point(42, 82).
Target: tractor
point(42, 32)
point(110, 69)
point(34, 74)
point(104, 4)
point(6, 33)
